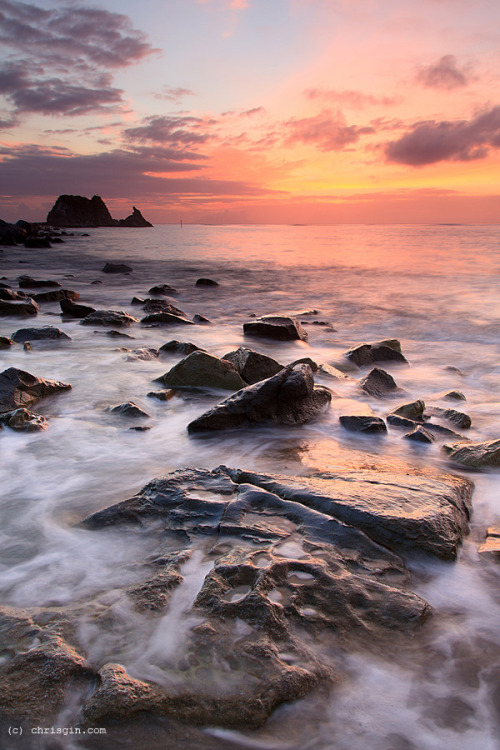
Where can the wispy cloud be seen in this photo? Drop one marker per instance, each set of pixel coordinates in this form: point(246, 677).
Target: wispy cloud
point(174, 130)
point(444, 74)
point(349, 98)
point(173, 94)
point(327, 131)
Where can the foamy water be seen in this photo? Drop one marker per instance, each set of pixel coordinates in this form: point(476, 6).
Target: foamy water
point(434, 288)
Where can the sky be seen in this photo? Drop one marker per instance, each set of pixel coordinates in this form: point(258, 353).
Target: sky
point(253, 111)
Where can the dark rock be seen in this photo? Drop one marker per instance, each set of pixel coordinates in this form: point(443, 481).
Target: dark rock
point(162, 289)
point(357, 423)
point(161, 395)
point(21, 389)
point(5, 342)
point(97, 281)
point(128, 409)
point(108, 318)
point(290, 397)
point(37, 242)
point(458, 418)
point(23, 309)
point(75, 311)
point(413, 410)
point(26, 282)
point(306, 361)
point(203, 370)
point(39, 334)
point(475, 455)
point(23, 420)
point(206, 282)
point(145, 354)
point(327, 371)
point(165, 318)
point(27, 346)
point(56, 240)
point(11, 234)
point(116, 334)
point(56, 296)
point(201, 319)
point(379, 383)
point(11, 295)
point(136, 219)
point(451, 396)
point(137, 301)
point(142, 427)
point(379, 351)
point(161, 305)
point(420, 435)
point(179, 347)
point(443, 432)
point(116, 268)
point(280, 328)
point(396, 421)
point(253, 366)
point(77, 211)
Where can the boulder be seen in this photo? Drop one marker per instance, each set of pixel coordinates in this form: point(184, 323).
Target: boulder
point(166, 319)
point(5, 342)
point(56, 295)
point(359, 423)
point(458, 418)
point(161, 305)
point(450, 396)
point(412, 410)
point(420, 435)
point(280, 328)
point(128, 409)
point(19, 309)
point(26, 282)
point(21, 389)
point(145, 354)
point(475, 455)
point(163, 290)
point(379, 351)
point(11, 234)
point(45, 333)
point(179, 347)
point(11, 295)
point(200, 319)
point(23, 420)
point(251, 365)
point(117, 318)
point(327, 371)
point(116, 268)
point(290, 398)
point(202, 370)
point(206, 282)
point(379, 383)
point(136, 219)
point(71, 310)
point(306, 361)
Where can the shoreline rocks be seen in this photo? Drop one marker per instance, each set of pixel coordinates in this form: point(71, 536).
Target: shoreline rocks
point(277, 327)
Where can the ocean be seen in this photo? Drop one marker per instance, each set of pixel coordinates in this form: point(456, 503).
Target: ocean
point(435, 288)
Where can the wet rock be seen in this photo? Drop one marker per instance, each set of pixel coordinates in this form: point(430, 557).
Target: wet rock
point(21, 389)
point(117, 318)
point(116, 268)
point(290, 397)
point(27, 282)
point(161, 395)
point(491, 545)
point(5, 342)
point(306, 361)
point(327, 371)
point(206, 282)
point(165, 319)
point(280, 328)
point(458, 418)
point(251, 365)
point(23, 309)
point(141, 428)
point(11, 295)
point(412, 410)
point(145, 354)
point(27, 346)
point(201, 319)
point(45, 333)
point(56, 295)
point(37, 242)
point(179, 347)
point(388, 350)
point(137, 301)
point(116, 334)
point(162, 289)
point(23, 420)
point(128, 409)
point(160, 305)
point(69, 308)
point(203, 370)
point(396, 421)
point(451, 396)
point(359, 423)
point(420, 435)
point(136, 219)
point(475, 455)
point(379, 383)
point(443, 432)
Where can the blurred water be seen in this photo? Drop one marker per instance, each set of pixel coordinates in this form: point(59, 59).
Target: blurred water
point(433, 287)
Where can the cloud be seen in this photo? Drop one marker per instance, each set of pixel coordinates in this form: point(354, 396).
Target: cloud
point(62, 60)
point(173, 94)
point(352, 99)
point(177, 131)
point(445, 74)
point(327, 131)
point(463, 140)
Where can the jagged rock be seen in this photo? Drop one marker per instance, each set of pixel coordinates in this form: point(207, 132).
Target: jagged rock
point(328, 371)
point(39, 334)
point(71, 310)
point(166, 318)
point(23, 309)
point(253, 366)
point(206, 282)
point(278, 327)
point(161, 305)
point(162, 289)
point(21, 389)
point(491, 545)
point(475, 455)
point(5, 342)
point(145, 354)
point(458, 418)
point(202, 370)
point(56, 296)
point(23, 420)
point(27, 282)
point(128, 409)
point(388, 350)
point(136, 219)
point(379, 383)
point(290, 397)
point(179, 347)
point(359, 423)
point(420, 435)
point(116, 268)
point(108, 318)
point(77, 211)
point(11, 295)
point(413, 410)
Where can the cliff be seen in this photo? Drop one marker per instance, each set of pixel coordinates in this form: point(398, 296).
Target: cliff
point(77, 211)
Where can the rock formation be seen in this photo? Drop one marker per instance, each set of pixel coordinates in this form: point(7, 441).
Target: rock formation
point(77, 211)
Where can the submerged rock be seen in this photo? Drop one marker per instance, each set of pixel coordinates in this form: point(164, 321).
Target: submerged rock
point(412, 410)
point(379, 383)
point(420, 435)
point(290, 397)
point(21, 389)
point(161, 305)
point(379, 351)
point(69, 308)
point(128, 409)
point(116, 268)
point(23, 420)
point(145, 354)
point(278, 327)
point(206, 282)
point(458, 418)
point(202, 370)
point(251, 365)
point(117, 318)
point(162, 290)
point(5, 342)
point(179, 347)
point(24, 309)
point(451, 396)
point(475, 455)
point(56, 295)
point(27, 282)
point(45, 333)
point(166, 318)
point(361, 423)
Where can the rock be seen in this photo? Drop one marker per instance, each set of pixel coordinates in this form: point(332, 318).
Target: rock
point(23, 420)
point(276, 327)
point(26, 282)
point(38, 334)
point(203, 370)
point(56, 296)
point(145, 354)
point(77, 211)
point(413, 410)
point(137, 301)
point(161, 395)
point(420, 435)
point(116, 268)
point(491, 545)
point(328, 371)
point(179, 347)
point(71, 310)
point(458, 418)
point(395, 421)
point(206, 282)
point(162, 289)
point(165, 318)
point(128, 409)
point(379, 351)
point(37, 242)
point(201, 319)
point(27, 346)
point(21, 389)
point(116, 334)
point(142, 427)
point(5, 342)
point(251, 365)
point(136, 219)
point(290, 397)
point(306, 361)
point(379, 383)
point(11, 234)
point(357, 423)
point(11, 295)
point(23, 309)
point(451, 396)
point(475, 455)
point(108, 318)
point(161, 305)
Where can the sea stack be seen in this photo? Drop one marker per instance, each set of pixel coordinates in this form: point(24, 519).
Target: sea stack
point(77, 211)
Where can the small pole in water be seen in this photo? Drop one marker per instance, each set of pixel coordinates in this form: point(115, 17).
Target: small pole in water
point(181, 223)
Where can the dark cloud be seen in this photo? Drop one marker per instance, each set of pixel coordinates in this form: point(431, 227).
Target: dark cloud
point(174, 130)
point(61, 59)
point(445, 74)
point(431, 142)
point(353, 99)
point(327, 131)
